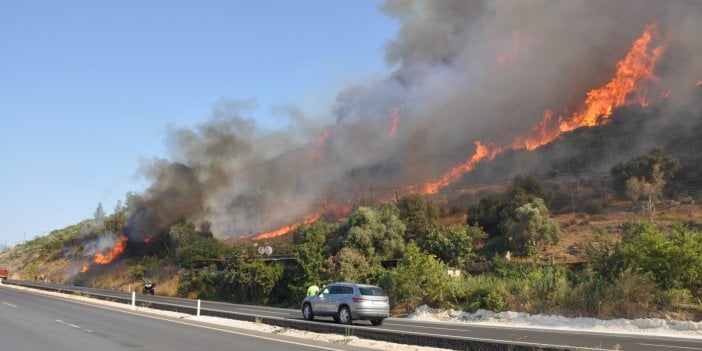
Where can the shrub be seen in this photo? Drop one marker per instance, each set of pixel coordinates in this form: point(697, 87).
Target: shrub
point(418, 279)
point(547, 287)
point(631, 296)
point(676, 298)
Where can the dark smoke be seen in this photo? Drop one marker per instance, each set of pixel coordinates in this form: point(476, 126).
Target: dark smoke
point(466, 70)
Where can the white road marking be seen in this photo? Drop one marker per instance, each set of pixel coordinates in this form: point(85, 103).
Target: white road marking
point(74, 326)
point(9, 304)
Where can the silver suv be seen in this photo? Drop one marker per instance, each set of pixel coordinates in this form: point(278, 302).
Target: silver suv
point(346, 302)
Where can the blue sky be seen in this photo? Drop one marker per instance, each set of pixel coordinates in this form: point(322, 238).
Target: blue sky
point(89, 89)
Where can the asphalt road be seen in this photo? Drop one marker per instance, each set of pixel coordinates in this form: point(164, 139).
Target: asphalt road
point(35, 322)
point(546, 337)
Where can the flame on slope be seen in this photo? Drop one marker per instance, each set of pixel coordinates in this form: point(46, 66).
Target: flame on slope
point(110, 256)
point(636, 68)
point(481, 152)
point(327, 209)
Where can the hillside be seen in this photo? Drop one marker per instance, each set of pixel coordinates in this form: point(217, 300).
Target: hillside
point(573, 171)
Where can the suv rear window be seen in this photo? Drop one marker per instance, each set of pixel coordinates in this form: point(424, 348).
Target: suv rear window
point(372, 291)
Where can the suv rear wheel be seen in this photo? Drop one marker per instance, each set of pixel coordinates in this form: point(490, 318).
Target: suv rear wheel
point(344, 315)
point(307, 313)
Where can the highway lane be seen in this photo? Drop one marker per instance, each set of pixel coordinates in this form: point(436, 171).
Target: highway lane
point(552, 337)
point(35, 322)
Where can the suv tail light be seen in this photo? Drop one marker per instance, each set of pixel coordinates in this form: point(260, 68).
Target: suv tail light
point(359, 300)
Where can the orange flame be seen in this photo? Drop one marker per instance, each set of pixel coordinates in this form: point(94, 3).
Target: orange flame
point(394, 120)
point(636, 68)
point(481, 152)
point(115, 252)
point(289, 228)
point(327, 209)
point(317, 149)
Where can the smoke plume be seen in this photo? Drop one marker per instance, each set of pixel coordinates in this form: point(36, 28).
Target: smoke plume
point(464, 71)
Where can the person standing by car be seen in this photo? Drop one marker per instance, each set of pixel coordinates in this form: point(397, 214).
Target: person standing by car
point(313, 290)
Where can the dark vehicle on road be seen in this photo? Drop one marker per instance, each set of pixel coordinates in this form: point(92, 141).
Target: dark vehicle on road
point(346, 302)
point(149, 288)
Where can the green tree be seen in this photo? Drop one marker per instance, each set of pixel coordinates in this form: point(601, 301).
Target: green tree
point(687, 259)
point(260, 278)
point(198, 251)
point(674, 262)
point(351, 266)
point(417, 214)
point(650, 190)
point(418, 278)
point(116, 222)
point(533, 226)
point(526, 188)
point(605, 258)
point(308, 249)
point(452, 245)
point(642, 167)
point(99, 212)
point(375, 233)
point(192, 247)
point(497, 215)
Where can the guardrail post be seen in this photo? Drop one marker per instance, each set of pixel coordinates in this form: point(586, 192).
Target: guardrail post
point(134, 300)
point(198, 307)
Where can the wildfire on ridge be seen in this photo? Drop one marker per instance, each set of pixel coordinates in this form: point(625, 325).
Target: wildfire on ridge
point(636, 68)
point(481, 152)
point(631, 72)
point(395, 120)
point(110, 256)
point(327, 209)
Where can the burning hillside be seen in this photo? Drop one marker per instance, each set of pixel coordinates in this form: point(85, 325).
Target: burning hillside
point(472, 79)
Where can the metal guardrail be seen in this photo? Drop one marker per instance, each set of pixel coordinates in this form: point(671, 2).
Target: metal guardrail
point(418, 339)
